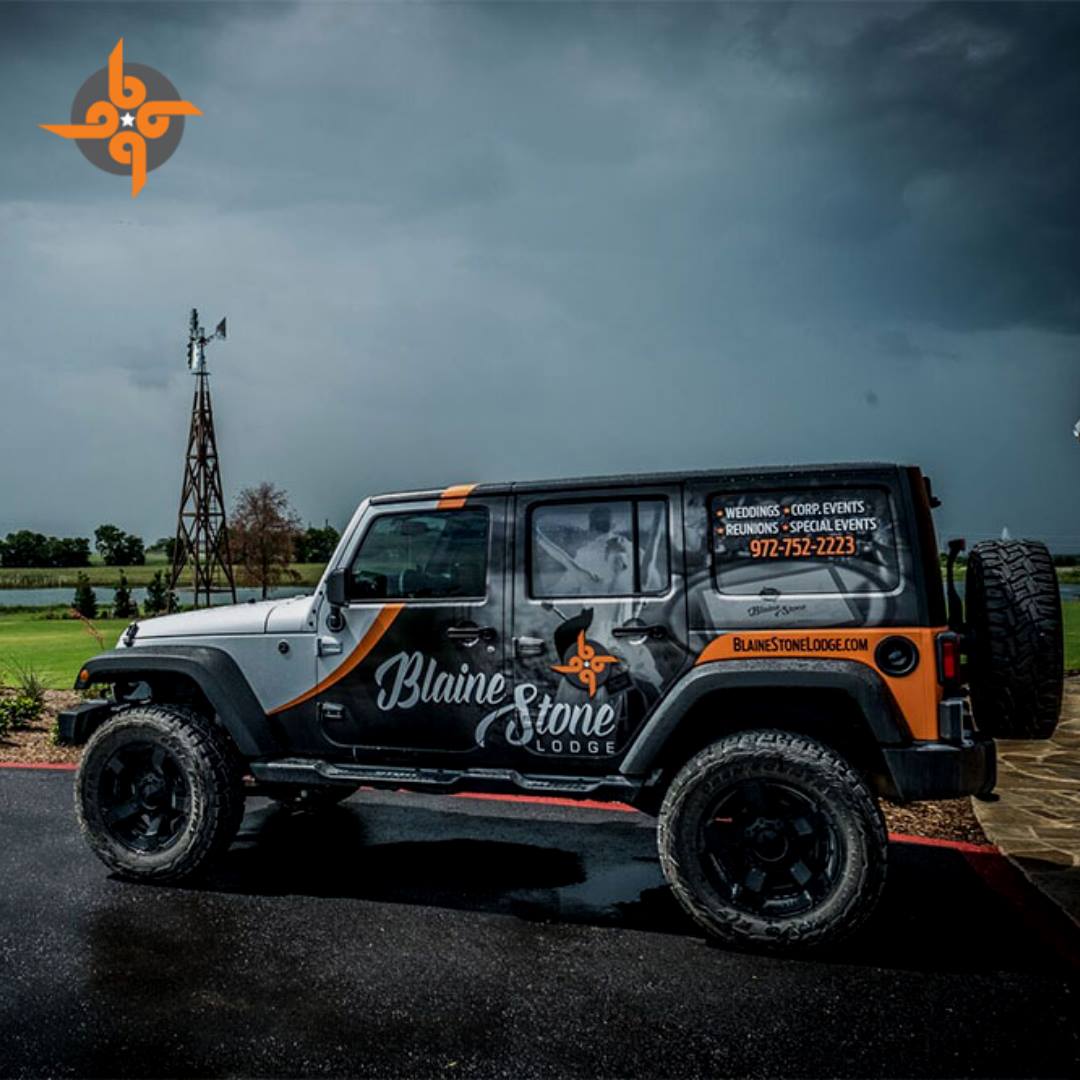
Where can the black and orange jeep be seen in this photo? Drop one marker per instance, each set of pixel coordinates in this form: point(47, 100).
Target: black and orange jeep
point(754, 656)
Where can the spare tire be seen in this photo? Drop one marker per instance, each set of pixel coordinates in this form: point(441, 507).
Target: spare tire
point(1015, 640)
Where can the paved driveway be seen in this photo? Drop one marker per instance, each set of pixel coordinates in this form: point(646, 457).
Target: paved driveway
point(448, 936)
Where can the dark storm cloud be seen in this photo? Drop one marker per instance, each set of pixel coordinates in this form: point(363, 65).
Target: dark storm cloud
point(960, 124)
point(478, 241)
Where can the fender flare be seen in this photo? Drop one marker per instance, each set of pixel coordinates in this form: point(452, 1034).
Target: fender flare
point(215, 673)
point(860, 682)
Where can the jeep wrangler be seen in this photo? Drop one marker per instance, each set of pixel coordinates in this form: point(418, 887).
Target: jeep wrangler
point(756, 657)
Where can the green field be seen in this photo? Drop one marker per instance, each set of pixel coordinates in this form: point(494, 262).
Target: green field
point(109, 576)
point(56, 647)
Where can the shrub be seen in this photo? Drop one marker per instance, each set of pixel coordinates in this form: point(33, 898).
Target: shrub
point(157, 595)
point(18, 712)
point(28, 683)
point(85, 601)
point(123, 606)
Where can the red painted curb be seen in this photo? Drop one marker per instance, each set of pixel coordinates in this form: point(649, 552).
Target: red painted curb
point(954, 845)
point(66, 766)
point(547, 800)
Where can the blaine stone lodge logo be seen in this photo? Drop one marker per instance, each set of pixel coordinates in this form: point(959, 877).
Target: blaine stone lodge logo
point(126, 119)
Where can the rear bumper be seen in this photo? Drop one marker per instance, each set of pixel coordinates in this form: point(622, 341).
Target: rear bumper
point(938, 770)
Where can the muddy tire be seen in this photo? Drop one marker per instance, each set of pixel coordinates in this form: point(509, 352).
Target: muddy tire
point(159, 792)
point(770, 840)
point(1015, 639)
point(310, 798)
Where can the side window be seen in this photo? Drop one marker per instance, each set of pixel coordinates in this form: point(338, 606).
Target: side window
point(809, 542)
point(604, 548)
point(421, 556)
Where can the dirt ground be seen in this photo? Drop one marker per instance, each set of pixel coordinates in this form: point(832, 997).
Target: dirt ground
point(952, 820)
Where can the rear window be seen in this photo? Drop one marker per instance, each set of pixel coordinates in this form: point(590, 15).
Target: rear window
point(828, 540)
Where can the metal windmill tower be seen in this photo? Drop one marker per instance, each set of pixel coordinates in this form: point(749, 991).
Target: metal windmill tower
point(202, 533)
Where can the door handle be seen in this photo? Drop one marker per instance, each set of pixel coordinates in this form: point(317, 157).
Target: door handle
point(471, 633)
point(529, 646)
point(656, 631)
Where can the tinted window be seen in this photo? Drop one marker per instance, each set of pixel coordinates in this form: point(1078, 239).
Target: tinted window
point(822, 540)
point(608, 548)
point(422, 556)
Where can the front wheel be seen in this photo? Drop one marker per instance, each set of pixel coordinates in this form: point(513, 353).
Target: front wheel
point(159, 791)
point(770, 839)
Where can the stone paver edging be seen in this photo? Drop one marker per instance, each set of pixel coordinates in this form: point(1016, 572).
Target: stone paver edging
point(1036, 818)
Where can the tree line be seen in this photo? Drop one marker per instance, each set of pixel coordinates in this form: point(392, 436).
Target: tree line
point(266, 536)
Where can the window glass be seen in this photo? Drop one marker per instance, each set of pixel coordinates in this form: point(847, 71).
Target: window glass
point(422, 556)
point(588, 549)
point(653, 545)
point(839, 540)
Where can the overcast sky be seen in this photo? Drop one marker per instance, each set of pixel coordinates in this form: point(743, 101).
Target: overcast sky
point(462, 242)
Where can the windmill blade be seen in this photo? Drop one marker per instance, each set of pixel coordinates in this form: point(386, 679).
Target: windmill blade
point(220, 331)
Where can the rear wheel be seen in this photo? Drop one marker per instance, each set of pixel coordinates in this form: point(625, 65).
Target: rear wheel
point(771, 839)
point(1016, 641)
point(159, 792)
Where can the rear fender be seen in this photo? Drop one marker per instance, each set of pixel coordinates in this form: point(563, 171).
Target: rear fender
point(860, 682)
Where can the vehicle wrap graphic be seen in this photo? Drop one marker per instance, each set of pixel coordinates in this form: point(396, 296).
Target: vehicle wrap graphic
point(380, 623)
point(585, 664)
point(917, 694)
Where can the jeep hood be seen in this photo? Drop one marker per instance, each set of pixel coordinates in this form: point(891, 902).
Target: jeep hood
point(251, 618)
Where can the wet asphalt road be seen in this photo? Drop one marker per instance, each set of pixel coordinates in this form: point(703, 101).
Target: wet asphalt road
point(405, 934)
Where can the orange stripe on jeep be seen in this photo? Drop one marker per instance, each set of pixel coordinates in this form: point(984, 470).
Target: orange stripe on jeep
point(387, 614)
point(916, 694)
point(453, 498)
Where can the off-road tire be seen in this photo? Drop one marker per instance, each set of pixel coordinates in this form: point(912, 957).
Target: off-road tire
point(310, 798)
point(1016, 642)
point(813, 770)
point(211, 768)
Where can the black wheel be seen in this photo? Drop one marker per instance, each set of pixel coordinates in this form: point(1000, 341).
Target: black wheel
point(158, 792)
point(1016, 642)
point(312, 797)
point(771, 839)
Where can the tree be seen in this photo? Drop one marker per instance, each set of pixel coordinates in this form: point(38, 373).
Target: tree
point(26, 548)
point(85, 601)
point(262, 534)
point(69, 551)
point(166, 545)
point(118, 548)
point(159, 597)
point(316, 545)
point(123, 606)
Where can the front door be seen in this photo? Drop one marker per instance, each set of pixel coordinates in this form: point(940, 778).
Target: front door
point(599, 624)
point(420, 657)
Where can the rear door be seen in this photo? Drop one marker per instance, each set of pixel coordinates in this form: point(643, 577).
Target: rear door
point(598, 624)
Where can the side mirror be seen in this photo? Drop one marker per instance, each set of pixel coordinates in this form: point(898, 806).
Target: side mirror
point(337, 597)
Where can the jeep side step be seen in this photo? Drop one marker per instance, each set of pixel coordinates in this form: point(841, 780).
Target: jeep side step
point(311, 771)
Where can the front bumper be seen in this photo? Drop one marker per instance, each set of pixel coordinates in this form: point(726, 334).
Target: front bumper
point(938, 770)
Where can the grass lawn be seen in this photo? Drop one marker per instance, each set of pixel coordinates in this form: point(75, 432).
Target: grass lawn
point(56, 648)
point(11, 577)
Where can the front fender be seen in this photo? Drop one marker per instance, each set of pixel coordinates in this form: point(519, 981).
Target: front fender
point(862, 683)
point(215, 673)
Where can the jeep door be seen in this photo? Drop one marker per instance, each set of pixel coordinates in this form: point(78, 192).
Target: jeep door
point(421, 655)
point(599, 623)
